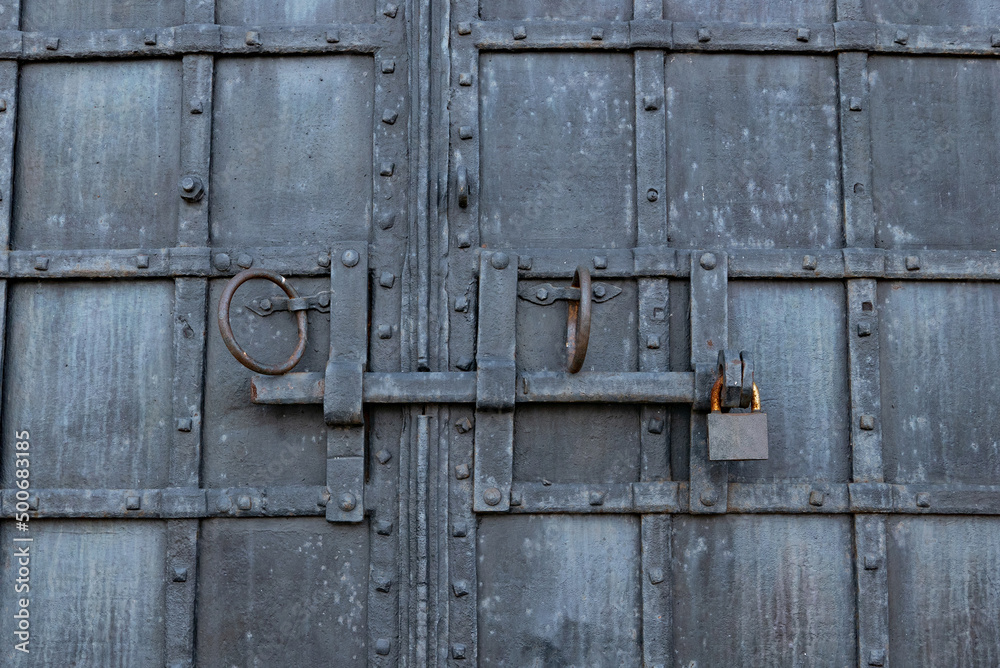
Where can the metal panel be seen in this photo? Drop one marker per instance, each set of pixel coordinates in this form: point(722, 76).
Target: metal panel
point(616, 10)
point(100, 14)
point(293, 12)
point(768, 11)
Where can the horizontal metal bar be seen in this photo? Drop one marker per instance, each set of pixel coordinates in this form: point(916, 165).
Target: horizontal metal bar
point(171, 503)
point(535, 263)
point(460, 387)
point(760, 498)
point(526, 497)
point(195, 39)
point(728, 37)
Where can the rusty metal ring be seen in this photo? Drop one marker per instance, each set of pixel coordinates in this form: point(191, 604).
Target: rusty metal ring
point(716, 397)
point(226, 329)
point(578, 321)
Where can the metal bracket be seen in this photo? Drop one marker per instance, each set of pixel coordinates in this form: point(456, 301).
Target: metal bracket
point(547, 294)
point(266, 306)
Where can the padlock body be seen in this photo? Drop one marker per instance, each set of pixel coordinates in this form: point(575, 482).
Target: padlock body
point(737, 436)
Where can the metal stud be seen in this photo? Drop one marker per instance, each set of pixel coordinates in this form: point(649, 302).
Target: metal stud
point(347, 502)
point(52, 43)
point(462, 471)
point(382, 646)
point(492, 496)
point(816, 498)
point(244, 502)
point(458, 650)
point(651, 102)
point(707, 261)
point(655, 426)
point(500, 260)
point(350, 257)
point(185, 424)
point(387, 220)
point(600, 262)
point(142, 261)
point(388, 66)
point(524, 262)
point(520, 32)
point(855, 104)
point(995, 40)
point(901, 37)
point(389, 117)
point(876, 657)
point(42, 263)
point(180, 574)
point(383, 456)
point(809, 262)
point(656, 575)
point(872, 562)
point(223, 504)
point(912, 263)
point(464, 425)
point(923, 500)
point(464, 28)
point(464, 79)
point(133, 503)
point(385, 331)
point(465, 132)
point(253, 38)
point(460, 587)
point(382, 581)
point(323, 259)
point(704, 35)
point(464, 363)
point(244, 261)
point(463, 240)
point(460, 530)
point(192, 188)
point(652, 195)
point(653, 341)
point(383, 527)
point(387, 168)
point(462, 304)
point(387, 279)
point(864, 329)
point(516, 497)
point(596, 498)
point(866, 422)
point(803, 34)
point(599, 291)
point(709, 497)
point(333, 36)
point(3, 105)
point(391, 10)
point(597, 34)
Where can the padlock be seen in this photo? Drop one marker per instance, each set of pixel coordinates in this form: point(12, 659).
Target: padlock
point(736, 436)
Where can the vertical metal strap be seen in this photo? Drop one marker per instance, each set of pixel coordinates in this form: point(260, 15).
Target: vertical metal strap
point(495, 382)
point(8, 125)
point(651, 191)
point(855, 143)
point(190, 308)
point(342, 400)
point(709, 335)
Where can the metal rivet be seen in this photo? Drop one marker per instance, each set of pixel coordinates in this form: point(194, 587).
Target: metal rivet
point(52, 43)
point(600, 262)
point(596, 498)
point(704, 35)
point(859, 189)
point(462, 304)
point(709, 497)
point(142, 261)
point(387, 220)
point(597, 34)
point(387, 279)
point(855, 104)
point(656, 575)
point(388, 66)
point(324, 299)
point(222, 261)
point(499, 260)
point(462, 472)
point(464, 425)
point(803, 35)
point(707, 261)
point(516, 497)
point(492, 496)
point(223, 504)
point(652, 195)
point(385, 331)
point(33, 503)
point(655, 426)
point(816, 498)
point(463, 240)
point(347, 502)
point(180, 574)
point(923, 500)
point(383, 528)
point(244, 261)
point(383, 456)
point(912, 263)
point(460, 587)
point(599, 291)
point(809, 262)
point(653, 341)
point(391, 10)
point(150, 39)
point(387, 168)
point(332, 36)
point(42, 263)
point(382, 582)
point(520, 32)
point(465, 132)
point(350, 257)
point(901, 37)
point(192, 188)
point(253, 38)
point(872, 562)
point(323, 498)
point(389, 116)
point(133, 503)
point(464, 363)
point(651, 102)
point(382, 646)
point(864, 329)
point(458, 651)
point(323, 259)
point(464, 28)
point(876, 657)
point(196, 106)
point(542, 294)
point(524, 262)
point(464, 79)
point(184, 424)
point(243, 502)
point(866, 422)
point(3, 104)
point(995, 40)
point(460, 530)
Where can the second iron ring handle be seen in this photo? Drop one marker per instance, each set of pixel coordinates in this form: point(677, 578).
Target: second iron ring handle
point(226, 329)
point(578, 321)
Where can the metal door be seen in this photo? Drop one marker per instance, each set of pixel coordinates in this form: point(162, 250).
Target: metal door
point(812, 183)
point(151, 150)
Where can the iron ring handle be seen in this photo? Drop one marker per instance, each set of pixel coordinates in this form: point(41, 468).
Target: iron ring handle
point(226, 329)
point(578, 321)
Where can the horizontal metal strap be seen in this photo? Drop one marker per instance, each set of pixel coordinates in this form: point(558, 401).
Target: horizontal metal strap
point(460, 387)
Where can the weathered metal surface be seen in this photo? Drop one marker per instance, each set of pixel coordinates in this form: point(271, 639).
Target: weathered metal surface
point(811, 182)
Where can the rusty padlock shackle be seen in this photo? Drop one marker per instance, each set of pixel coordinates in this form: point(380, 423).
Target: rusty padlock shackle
point(226, 329)
point(716, 399)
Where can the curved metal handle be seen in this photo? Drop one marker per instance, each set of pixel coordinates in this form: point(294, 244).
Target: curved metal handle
point(226, 329)
point(717, 397)
point(578, 321)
